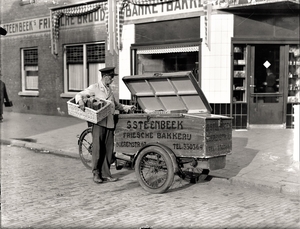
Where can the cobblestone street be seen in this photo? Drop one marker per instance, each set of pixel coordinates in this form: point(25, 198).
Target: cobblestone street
point(40, 190)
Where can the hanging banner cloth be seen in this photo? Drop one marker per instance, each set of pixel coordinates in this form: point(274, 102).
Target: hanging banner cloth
point(114, 19)
point(69, 12)
point(148, 2)
point(168, 49)
point(207, 8)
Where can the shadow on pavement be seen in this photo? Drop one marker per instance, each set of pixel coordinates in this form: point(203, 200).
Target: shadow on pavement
point(240, 158)
point(26, 139)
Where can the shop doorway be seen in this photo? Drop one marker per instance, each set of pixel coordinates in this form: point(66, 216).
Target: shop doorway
point(266, 81)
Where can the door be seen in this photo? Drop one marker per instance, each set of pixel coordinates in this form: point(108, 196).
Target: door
point(266, 77)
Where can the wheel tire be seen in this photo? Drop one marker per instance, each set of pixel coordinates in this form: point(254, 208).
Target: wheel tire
point(154, 169)
point(85, 144)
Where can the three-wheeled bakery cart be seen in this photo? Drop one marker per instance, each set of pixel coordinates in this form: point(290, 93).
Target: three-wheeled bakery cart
point(176, 134)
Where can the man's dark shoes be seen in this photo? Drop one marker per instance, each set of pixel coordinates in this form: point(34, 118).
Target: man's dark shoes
point(110, 179)
point(97, 179)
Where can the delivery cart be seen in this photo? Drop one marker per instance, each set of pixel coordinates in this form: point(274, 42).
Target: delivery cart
point(175, 135)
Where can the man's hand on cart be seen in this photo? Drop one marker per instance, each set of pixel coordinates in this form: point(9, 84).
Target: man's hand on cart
point(81, 105)
point(128, 108)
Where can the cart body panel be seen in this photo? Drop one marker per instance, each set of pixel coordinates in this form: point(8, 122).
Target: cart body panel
point(201, 136)
point(178, 116)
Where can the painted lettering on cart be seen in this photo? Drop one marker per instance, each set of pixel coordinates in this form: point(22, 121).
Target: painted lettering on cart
point(219, 147)
point(172, 136)
point(130, 144)
point(187, 146)
point(155, 125)
point(175, 136)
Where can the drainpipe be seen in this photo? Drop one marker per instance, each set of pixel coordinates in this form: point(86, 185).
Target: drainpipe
point(296, 155)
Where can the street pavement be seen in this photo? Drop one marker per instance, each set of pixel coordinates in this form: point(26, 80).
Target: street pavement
point(44, 191)
point(260, 158)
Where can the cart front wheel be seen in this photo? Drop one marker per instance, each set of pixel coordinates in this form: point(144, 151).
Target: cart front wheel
point(154, 169)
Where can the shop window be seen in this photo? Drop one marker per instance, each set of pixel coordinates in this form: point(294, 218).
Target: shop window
point(81, 65)
point(294, 74)
point(167, 59)
point(239, 73)
point(30, 72)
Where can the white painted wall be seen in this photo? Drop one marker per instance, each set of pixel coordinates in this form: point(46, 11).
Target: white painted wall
point(124, 59)
point(215, 71)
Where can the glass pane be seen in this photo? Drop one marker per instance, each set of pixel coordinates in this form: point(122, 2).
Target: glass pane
point(167, 62)
point(30, 57)
point(266, 73)
point(31, 78)
point(96, 53)
point(75, 54)
point(93, 71)
point(239, 73)
point(75, 74)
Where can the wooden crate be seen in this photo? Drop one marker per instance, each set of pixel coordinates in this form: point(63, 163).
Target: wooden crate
point(89, 114)
point(187, 135)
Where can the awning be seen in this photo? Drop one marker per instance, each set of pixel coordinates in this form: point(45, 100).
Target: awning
point(263, 7)
point(168, 49)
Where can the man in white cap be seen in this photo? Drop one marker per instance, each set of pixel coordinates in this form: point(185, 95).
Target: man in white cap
point(103, 132)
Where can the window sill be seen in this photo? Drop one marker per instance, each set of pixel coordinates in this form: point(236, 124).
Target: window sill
point(29, 93)
point(68, 95)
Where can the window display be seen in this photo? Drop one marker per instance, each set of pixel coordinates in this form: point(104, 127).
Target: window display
point(239, 73)
point(167, 62)
point(294, 74)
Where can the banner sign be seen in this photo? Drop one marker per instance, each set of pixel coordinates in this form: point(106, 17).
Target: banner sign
point(27, 26)
point(88, 19)
point(132, 11)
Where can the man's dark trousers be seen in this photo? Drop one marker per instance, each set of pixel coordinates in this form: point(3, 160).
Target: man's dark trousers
point(102, 151)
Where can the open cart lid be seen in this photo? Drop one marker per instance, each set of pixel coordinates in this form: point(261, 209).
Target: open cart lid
point(176, 92)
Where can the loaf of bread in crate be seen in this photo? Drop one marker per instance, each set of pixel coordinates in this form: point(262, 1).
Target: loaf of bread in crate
point(93, 103)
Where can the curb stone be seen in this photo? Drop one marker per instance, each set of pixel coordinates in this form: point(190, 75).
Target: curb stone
point(39, 147)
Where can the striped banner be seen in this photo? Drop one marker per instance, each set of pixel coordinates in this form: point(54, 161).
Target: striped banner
point(114, 19)
point(148, 2)
point(72, 12)
point(69, 12)
point(207, 7)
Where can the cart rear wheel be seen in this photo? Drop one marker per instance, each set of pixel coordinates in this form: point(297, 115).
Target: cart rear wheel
point(85, 145)
point(154, 169)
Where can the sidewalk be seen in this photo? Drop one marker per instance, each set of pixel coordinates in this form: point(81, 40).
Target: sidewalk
point(261, 158)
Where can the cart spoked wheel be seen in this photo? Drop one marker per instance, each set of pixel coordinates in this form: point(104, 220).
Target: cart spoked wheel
point(194, 174)
point(85, 145)
point(154, 169)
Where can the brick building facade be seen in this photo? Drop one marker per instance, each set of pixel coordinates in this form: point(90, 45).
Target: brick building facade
point(33, 75)
point(54, 49)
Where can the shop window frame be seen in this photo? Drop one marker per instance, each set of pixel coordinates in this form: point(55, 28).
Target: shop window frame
point(28, 69)
point(136, 47)
point(86, 61)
